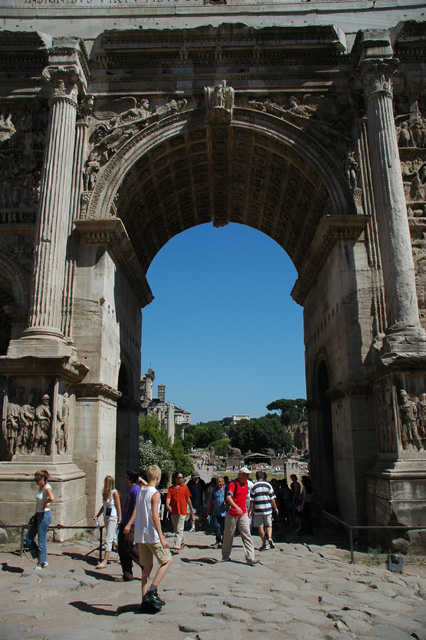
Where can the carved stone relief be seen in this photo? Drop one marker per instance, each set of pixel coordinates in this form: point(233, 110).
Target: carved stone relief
point(386, 421)
point(412, 412)
point(22, 137)
point(36, 423)
point(27, 424)
point(117, 126)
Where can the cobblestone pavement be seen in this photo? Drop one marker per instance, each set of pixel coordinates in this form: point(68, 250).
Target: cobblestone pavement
point(299, 590)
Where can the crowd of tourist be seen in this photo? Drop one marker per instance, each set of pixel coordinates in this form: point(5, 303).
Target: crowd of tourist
point(226, 505)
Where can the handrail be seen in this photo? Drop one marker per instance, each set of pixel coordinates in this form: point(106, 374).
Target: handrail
point(23, 527)
point(355, 527)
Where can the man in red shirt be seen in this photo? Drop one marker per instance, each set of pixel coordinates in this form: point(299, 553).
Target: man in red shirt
point(177, 500)
point(236, 497)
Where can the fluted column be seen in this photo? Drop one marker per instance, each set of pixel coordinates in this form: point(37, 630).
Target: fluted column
point(403, 330)
point(76, 189)
point(54, 208)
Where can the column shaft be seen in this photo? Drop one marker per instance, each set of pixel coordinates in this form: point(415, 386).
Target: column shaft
point(394, 232)
point(53, 220)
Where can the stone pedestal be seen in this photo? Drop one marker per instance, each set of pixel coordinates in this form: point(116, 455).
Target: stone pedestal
point(19, 489)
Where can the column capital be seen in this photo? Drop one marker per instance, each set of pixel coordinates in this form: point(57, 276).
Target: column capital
point(65, 81)
point(376, 75)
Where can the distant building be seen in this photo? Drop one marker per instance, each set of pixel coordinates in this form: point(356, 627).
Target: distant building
point(168, 414)
point(239, 416)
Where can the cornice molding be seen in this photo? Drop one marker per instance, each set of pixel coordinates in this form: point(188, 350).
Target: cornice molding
point(331, 230)
point(112, 232)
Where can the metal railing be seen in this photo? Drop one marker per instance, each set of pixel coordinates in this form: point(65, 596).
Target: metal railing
point(358, 527)
point(58, 527)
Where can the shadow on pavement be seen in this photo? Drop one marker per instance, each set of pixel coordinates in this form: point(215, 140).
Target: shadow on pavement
point(200, 560)
point(9, 569)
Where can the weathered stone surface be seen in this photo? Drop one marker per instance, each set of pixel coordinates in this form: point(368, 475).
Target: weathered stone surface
point(203, 623)
point(226, 613)
point(249, 604)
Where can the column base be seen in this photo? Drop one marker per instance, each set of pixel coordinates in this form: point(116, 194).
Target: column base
point(404, 345)
point(396, 495)
point(40, 345)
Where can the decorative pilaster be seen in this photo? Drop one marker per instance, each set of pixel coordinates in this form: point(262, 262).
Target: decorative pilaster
point(405, 340)
point(54, 208)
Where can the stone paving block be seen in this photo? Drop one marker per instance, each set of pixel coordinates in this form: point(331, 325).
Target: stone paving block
point(20, 615)
point(249, 604)
point(375, 601)
point(388, 632)
point(279, 617)
point(404, 624)
point(226, 613)
point(14, 631)
point(202, 623)
point(230, 635)
point(76, 633)
point(357, 626)
point(302, 631)
point(283, 585)
point(86, 581)
point(62, 584)
point(265, 627)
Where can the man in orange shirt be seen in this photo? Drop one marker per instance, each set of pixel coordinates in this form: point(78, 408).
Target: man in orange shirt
point(177, 501)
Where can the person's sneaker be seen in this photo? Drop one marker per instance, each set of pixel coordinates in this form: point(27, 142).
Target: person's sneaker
point(151, 599)
point(252, 562)
point(217, 545)
point(226, 558)
point(192, 528)
point(38, 568)
point(271, 543)
point(45, 564)
point(264, 547)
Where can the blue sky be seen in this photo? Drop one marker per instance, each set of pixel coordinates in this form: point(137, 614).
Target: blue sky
point(223, 333)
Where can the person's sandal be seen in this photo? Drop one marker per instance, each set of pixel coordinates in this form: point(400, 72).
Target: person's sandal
point(101, 566)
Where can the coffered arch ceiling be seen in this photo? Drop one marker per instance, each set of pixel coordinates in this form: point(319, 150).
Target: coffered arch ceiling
point(222, 174)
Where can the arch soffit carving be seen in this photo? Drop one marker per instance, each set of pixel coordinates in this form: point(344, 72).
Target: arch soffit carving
point(280, 137)
point(283, 132)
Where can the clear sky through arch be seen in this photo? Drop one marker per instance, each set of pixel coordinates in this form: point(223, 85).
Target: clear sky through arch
point(223, 333)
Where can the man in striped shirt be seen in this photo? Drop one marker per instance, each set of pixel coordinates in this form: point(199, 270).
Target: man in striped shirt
point(262, 501)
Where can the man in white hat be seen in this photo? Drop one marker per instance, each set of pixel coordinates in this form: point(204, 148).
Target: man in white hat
point(236, 497)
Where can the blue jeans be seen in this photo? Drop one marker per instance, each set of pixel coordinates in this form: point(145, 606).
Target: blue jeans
point(218, 524)
point(40, 528)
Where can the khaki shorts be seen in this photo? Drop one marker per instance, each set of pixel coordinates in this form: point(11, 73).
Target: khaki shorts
point(260, 520)
point(147, 551)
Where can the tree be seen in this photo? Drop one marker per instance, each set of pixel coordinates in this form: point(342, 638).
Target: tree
point(259, 434)
point(150, 428)
point(205, 433)
point(292, 411)
point(220, 447)
point(155, 447)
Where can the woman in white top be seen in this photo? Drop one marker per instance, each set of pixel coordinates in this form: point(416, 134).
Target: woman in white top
point(43, 518)
point(111, 510)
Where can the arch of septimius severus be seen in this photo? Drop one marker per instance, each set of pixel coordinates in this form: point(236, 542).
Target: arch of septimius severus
point(123, 123)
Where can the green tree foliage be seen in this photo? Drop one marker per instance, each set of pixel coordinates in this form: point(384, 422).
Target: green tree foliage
point(155, 447)
point(150, 428)
point(292, 411)
point(181, 461)
point(150, 453)
point(205, 433)
point(188, 442)
point(220, 447)
point(259, 434)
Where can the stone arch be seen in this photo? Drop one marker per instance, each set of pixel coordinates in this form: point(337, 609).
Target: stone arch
point(186, 138)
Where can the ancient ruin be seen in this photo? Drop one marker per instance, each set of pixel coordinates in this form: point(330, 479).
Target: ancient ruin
point(122, 125)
